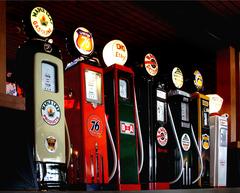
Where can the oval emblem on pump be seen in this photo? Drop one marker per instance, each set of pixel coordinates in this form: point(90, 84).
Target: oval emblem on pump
point(115, 52)
point(198, 80)
point(42, 22)
point(185, 142)
point(151, 64)
point(83, 41)
point(51, 113)
point(177, 77)
point(162, 136)
point(51, 144)
point(205, 141)
point(95, 126)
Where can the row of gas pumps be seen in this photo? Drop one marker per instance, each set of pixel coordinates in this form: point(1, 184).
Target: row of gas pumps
point(96, 128)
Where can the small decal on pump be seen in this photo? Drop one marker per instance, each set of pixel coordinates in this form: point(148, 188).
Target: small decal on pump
point(205, 141)
point(51, 144)
point(95, 126)
point(162, 136)
point(151, 64)
point(185, 142)
point(50, 112)
point(127, 128)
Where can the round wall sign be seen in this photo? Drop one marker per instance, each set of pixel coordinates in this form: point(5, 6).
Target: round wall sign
point(115, 52)
point(42, 22)
point(151, 64)
point(83, 41)
point(50, 111)
point(177, 77)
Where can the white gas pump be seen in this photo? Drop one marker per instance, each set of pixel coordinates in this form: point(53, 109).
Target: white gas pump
point(219, 141)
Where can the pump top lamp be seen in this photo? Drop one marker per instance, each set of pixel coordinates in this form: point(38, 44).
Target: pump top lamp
point(115, 52)
point(215, 104)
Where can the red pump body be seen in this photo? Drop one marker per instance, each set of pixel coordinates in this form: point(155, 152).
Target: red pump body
point(85, 115)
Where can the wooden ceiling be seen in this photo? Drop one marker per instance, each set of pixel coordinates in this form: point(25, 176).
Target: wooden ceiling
point(181, 30)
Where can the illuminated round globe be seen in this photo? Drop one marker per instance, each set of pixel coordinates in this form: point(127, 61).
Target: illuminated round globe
point(215, 103)
point(198, 80)
point(177, 77)
point(115, 52)
point(83, 41)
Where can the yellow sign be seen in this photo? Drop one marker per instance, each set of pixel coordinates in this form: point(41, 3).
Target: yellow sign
point(198, 80)
point(177, 77)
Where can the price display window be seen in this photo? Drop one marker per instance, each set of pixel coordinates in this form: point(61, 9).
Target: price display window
point(93, 86)
point(49, 77)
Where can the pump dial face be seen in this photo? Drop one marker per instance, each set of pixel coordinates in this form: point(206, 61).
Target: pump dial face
point(49, 77)
point(123, 88)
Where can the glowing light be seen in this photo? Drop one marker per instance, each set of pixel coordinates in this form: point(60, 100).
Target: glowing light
point(115, 52)
point(215, 103)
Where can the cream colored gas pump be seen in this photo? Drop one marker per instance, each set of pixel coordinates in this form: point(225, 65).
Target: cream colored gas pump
point(40, 73)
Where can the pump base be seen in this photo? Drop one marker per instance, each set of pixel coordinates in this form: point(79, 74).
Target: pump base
point(127, 187)
point(158, 186)
point(51, 175)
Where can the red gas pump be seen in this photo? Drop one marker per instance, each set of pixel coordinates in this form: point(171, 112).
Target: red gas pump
point(85, 113)
point(121, 107)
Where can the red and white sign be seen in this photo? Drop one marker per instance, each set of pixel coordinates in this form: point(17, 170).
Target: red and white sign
point(162, 136)
point(115, 52)
point(42, 22)
point(127, 128)
point(185, 142)
point(151, 64)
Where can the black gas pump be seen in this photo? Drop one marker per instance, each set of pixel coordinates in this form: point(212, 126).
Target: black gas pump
point(152, 97)
point(179, 114)
point(200, 120)
point(40, 74)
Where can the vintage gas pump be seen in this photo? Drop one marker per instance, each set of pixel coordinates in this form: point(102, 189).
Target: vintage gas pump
point(179, 114)
point(40, 74)
point(121, 107)
point(219, 141)
point(200, 121)
point(152, 98)
point(88, 125)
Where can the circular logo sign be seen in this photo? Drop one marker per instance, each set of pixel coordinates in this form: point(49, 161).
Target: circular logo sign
point(205, 141)
point(51, 113)
point(51, 144)
point(115, 52)
point(185, 142)
point(177, 77)
point(95, 126)
point(151, 64)
point(198, 80)
point(42, 22)
point(83, 41)
point(162, 136)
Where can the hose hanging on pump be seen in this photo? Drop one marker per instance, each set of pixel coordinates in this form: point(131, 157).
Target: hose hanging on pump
point(200, 156)
point(113, 150)
point(139, 133)
point(69, 143)
point(178, 145)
